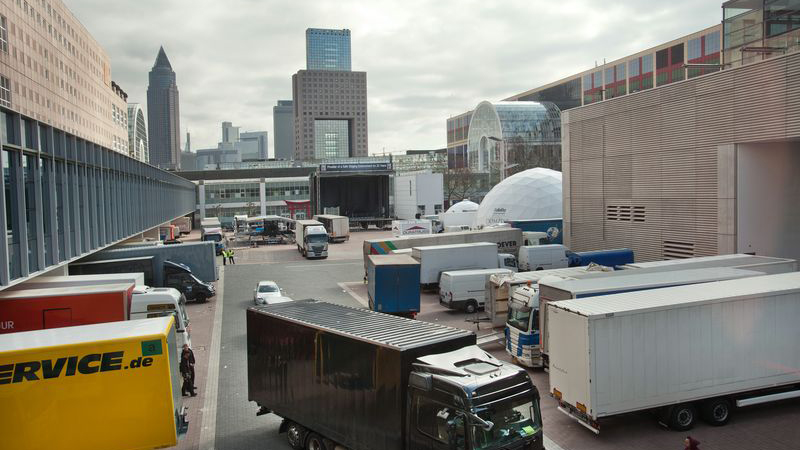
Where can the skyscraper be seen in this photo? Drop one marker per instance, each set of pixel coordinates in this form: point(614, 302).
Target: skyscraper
point(283, 129)
point(327, 49)
point(163, 114)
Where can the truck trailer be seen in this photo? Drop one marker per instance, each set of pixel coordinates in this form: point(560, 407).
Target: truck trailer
point(338, 227)
point(370, 381)
point(765, 264)
point(508, 240)
point(685, 352)
point(436, 259)
point(111, 386)
point(393, 284)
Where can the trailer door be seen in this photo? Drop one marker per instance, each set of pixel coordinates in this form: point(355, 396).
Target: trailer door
point(57, 318)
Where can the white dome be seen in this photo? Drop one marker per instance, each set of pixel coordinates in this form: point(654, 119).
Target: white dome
point(531, 194)
point(464, 206)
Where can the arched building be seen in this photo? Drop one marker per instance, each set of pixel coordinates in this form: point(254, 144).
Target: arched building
point(528, 132)
point(137, 133)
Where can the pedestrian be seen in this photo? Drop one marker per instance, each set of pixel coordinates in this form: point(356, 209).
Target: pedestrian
point(187, 371)
point(230, 257)
point(691, 443)
point(224, 256)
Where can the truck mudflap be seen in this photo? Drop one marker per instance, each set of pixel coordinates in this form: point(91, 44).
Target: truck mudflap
point(579, 414)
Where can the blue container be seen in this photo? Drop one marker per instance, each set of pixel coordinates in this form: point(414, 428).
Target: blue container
point(609, 258)
point(553, 228)
point(393, 284)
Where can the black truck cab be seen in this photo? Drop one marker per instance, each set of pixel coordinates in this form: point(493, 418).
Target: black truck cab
point(467, 399)
point(180, 277)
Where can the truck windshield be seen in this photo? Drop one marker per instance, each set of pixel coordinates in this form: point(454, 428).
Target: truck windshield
point(520, 317)
point(317, 238)
point(212, 237)
point(513, 420)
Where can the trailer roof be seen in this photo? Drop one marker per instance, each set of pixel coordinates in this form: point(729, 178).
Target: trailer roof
point(737, 259)
point(445, 246)
point(636, 280)
point(477, 272)
point(64, 291)
point(362, 324)
point(524, 277)
point(55, 337)
point(659, 299)
point(393, 259)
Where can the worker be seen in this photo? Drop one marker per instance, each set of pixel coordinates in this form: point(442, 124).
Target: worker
point(224, 256)
point(187, 371)
point(230, 256)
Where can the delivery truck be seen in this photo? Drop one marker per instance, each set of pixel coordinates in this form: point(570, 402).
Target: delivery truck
point(111, 386)
point(766, 264)
point(311, 238)
point(338, 227)
point(370, 381)
point(686, 352)
point(466, 289)
point(553, 289)
point(393, 284)
point(37, 309)
point(436, 259)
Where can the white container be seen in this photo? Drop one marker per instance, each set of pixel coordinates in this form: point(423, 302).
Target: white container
point(466, 289)
point(675, 349)
point(764, 264)
point(542, 257)
point(442, 258)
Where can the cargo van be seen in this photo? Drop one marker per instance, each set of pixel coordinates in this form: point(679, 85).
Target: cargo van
point(542, 257)
point(466, 289)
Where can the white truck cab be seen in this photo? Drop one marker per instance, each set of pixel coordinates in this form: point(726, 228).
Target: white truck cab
point(522, 328)
point(151, 302)
point(507, 261)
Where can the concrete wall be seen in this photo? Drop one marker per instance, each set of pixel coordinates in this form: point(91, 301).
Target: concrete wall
point(768, 199)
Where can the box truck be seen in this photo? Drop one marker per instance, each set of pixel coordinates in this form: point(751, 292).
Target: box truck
point(466, 289)
point(311, 238)
point(766, 264)
point(114, 386)
point(184, 224)
point(370, 381)
point(551, 289)
point(436, 259)
point(508, 240)
point(685, 352)
point(37, 309)
point(338, 227)
point(393, 284)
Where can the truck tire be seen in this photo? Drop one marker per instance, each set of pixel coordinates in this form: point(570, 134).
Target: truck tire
point(315, 442)
point(295, 435)
point(716, 411)
point(682, 417)
point(471, 307)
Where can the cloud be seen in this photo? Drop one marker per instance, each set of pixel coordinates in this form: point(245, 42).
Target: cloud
point(425, 60)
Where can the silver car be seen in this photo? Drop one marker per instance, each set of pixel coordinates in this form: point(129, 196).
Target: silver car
point(268, 293)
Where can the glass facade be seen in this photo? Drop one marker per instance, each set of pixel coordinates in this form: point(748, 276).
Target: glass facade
point(565, 95)
point(242, 197)
point(759, 25)
point(669, 65)
point(331, 139)
point(592, 87)
point(327, 49)
point(703, 50)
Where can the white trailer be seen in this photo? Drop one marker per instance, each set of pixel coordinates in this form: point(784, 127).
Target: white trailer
point(766, 264)
point(338, 227)
point(508, 240)
point(436, 259)
point(684, 352)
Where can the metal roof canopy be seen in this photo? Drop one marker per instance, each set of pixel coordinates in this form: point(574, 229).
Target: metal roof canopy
point(362, 324)
point(660, 299)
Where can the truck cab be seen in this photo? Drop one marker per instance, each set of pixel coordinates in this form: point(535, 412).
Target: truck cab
point(466, 399)
point(315, 242)
point(148, 302)
point(180, 277)
point(507, 261)
point(522, 327)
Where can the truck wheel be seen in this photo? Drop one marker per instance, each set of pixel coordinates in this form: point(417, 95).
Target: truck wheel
point(717, 411)
point(471, 307)
point(315, 442)
point(296, 435)
point(682, 417)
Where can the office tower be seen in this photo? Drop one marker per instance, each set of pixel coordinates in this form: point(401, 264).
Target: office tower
point(163, 114)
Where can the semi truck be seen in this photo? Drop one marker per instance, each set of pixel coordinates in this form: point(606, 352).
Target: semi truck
point(393, 284)
point(338, 227)
point(359, 191)
point(157, 273)
point(508, 240)
point(436, 259)
point(684, 353)
point(362, 380)
point(37, 309)
point(311, 238)
point(466, 289)
point(551, 289)
point(114, 386)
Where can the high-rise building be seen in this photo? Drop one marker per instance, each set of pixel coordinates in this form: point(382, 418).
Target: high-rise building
point(253, 145)
point(327, 49)
point(329, 100)
point(163, 114)
point(283, 129)
point(137, 133)
point(230, 133)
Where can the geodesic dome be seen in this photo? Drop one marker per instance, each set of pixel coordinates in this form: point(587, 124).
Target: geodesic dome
point(531, 194)
point(464, 206)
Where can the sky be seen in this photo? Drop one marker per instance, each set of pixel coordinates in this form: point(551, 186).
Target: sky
point(426, 60)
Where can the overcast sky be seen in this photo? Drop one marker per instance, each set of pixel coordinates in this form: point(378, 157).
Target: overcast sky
point(425, 60)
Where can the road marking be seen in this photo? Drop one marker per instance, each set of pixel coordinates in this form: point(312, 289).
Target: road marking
point(364, 302)
point(307, 266)
point(208, 432)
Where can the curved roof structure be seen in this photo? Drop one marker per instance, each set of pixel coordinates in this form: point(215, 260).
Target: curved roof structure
point(531, 194)
point(464, 206)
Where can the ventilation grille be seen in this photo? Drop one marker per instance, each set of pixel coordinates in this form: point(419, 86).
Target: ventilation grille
point(677, 250)
point(625, 213)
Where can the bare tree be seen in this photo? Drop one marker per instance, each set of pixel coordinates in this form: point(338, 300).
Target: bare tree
point(459, 184)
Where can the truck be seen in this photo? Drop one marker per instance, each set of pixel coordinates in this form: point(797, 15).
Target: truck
point(411, 227)
point(610, 258)
point(38, 309)
point(163, 274)
point(436, 259)
point(466, 289)
point(551, 289)
point(552, 229)
point(766, 264)
point(393, 284)
point(359, 191)
point(508, 240)
point(184, 224)
point(685, 352)
point(214, 235)
point(364, 380)
point(542, 257)
point(466, 219)
point(311, 238)
point(83, 387)
point(338, 227)
point(210, 222)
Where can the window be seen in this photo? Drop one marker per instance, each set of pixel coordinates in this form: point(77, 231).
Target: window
point(436, 420)
point(5, 91)
point(3, 34)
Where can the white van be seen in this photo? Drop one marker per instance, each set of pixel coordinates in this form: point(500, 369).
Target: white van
point(466, 289)
point(542, 257)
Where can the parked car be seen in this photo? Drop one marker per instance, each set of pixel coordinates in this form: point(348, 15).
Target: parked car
point(268, 293)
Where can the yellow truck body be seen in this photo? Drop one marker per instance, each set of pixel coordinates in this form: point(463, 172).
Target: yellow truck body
point(111, 386)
